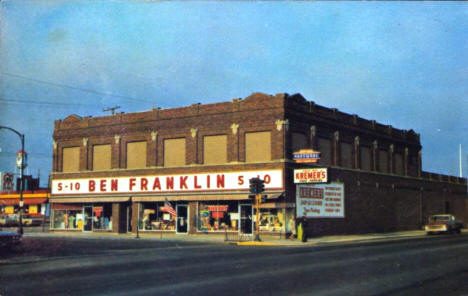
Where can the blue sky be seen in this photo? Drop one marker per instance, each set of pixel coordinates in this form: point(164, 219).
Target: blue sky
point(400, 63)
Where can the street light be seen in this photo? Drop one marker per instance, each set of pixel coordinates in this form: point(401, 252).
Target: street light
point(22, 165)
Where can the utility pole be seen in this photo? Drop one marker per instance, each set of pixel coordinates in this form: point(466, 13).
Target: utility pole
point(111, 109)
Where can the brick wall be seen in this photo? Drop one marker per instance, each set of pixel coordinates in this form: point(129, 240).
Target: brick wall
point(379, 203)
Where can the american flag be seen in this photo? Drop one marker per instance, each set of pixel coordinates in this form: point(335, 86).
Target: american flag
point(168, 208)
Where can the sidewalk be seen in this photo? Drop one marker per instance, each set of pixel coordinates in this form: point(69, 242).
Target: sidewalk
point(266, 240)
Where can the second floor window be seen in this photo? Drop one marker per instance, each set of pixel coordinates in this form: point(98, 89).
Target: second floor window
point(383, 161)
point(325, 148)
point(366, 158)
point(257, 146)
point(101, 157)
point(136, 155)
point(346, 154)
point(174, 152)
point(215, 149)
point(71, 159)
point(299, 141)
point(398, 164)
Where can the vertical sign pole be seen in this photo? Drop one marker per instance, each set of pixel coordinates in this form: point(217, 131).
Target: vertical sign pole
point(257, 208)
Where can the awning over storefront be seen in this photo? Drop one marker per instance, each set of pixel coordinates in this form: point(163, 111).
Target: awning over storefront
point(277, 205)
point(88, 199)
point(69, 207)
point(156, 198)
point(26, 201)
point(205, 197)
point(191, 197)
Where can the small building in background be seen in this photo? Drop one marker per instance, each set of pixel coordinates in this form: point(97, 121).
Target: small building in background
point(35, 201)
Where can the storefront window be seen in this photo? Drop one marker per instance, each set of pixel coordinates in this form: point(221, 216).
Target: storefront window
point(216, 216)
point(67, 219)
point(272, 220)
point(151, 217)
point(102, 217)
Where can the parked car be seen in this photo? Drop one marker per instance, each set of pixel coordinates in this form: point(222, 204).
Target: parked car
point(443, 223)
point(9, 238)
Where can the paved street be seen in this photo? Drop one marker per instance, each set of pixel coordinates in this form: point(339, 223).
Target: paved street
point(434, 265)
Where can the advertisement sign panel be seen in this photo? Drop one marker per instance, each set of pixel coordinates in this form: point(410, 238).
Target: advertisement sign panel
point(306, 156)
point(222, 181)
point(320, 200)
point(312, 175)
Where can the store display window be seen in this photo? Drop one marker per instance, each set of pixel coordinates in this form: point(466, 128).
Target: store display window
point(272, 220)
point(214, 216)
point(67, 218)
point(102, 217)
point(153, 216)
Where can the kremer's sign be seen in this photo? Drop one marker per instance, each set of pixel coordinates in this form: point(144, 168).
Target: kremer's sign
point(313, 175)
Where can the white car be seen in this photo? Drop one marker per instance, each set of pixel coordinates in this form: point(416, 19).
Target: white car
point(443, 223)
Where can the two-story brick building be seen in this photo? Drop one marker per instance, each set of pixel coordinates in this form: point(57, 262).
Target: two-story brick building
point(112, 173)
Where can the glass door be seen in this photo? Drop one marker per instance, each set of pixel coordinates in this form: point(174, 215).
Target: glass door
point(182, 218)
point(88, 218)
point(245, 219)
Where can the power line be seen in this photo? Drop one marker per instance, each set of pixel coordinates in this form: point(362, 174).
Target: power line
point(73, 87)
point(44, 103)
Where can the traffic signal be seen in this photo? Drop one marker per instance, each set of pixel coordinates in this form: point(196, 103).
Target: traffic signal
point(260, 186)
point(257, 185)
point(264, 198)
point(254, 185)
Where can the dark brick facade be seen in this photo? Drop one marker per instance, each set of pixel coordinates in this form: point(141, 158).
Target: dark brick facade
point(375, 201)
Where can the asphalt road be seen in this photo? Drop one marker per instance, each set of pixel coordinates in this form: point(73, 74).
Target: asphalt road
point(435, 265)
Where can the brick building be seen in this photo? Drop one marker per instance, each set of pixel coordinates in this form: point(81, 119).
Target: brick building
point(115, 172)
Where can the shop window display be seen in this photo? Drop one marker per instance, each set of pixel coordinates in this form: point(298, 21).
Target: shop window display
point(218, 216)
point(272, 220)
point(151, 217)
point(67, 219)
point(102, 217)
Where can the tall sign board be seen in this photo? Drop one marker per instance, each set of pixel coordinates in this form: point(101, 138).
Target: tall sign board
point(320, 200)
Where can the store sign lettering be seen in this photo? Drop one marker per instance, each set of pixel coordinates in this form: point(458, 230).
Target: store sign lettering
point(170, 183)
point(313, 175)
point(320, 200)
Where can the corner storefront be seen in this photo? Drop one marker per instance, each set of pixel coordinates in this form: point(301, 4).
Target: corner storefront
point(178, 203)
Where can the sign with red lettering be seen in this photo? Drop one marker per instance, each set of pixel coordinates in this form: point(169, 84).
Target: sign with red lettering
point(312, 175)
point(217, 208)
point(320, 200)
point(222, 181)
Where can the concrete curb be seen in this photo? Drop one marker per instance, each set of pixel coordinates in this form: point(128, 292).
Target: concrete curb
point(257, 244)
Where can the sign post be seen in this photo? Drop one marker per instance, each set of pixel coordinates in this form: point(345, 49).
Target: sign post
point(257, 218)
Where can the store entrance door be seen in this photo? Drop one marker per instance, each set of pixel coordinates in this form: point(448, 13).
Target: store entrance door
point(88, 218)
point(245, 219)
point(182, 218)
point(129, 218)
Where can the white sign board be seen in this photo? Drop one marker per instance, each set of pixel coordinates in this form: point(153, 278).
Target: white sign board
point(312, 175)
point(320, 200)
point(222, 181)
